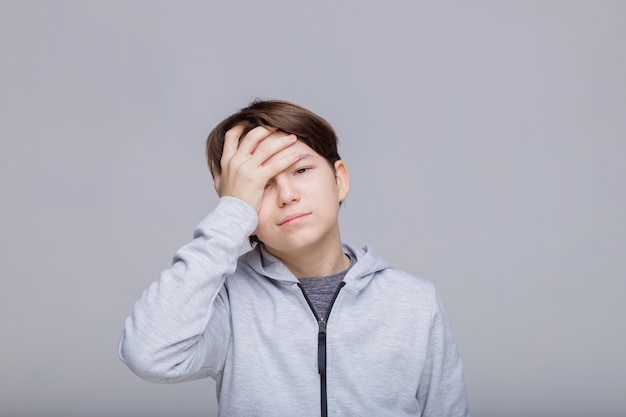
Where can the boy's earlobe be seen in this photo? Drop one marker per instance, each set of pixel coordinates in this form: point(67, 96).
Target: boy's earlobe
point(216, 183)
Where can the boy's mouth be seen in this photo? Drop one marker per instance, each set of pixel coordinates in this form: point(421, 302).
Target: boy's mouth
point(293, 219)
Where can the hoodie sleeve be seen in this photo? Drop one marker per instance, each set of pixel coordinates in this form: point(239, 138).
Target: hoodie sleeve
point(180, 327)
point(442, 388)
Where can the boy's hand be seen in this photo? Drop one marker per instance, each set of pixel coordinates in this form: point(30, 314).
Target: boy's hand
point(249, 164)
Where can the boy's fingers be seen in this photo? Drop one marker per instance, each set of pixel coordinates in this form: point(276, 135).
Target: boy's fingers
point(280, 161)
point(248, 144)
point(271, 146)
point(231, 143)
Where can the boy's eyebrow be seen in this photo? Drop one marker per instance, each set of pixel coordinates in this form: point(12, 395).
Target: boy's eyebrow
point(305, 155)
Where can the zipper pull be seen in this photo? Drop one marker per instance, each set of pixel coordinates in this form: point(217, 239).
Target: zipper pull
point(322, 324)
point(321, 347)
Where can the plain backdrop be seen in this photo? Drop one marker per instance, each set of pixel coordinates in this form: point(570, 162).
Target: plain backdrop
point(487, 153)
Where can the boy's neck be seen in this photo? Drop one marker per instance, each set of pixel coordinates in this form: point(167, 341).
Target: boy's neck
point(314, 263)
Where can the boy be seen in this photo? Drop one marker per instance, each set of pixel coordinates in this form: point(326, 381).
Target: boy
point(301, 325)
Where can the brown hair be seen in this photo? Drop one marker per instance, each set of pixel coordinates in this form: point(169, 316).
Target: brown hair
point(310, 128)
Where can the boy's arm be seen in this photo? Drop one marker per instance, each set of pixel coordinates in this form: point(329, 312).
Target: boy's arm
point(442, 391)
point(180, 328)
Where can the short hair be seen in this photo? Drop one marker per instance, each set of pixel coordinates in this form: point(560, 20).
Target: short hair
point(310, 128)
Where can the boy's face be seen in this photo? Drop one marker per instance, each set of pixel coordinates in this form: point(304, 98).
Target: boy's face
point(300, 205)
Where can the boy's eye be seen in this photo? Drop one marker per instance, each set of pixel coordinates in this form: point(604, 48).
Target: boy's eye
point(301, 170)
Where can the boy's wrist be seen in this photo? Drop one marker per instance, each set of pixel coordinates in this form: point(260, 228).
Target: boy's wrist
point(232, 219)
point(238, 202)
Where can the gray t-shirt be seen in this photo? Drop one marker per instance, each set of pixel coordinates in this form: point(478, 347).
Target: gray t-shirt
point(321, 290)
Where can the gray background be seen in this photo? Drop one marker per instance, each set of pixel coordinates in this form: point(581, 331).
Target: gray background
point(486, 143)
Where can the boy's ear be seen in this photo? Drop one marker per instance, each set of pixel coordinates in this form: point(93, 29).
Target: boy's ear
point(342, 179)
point(216, 182)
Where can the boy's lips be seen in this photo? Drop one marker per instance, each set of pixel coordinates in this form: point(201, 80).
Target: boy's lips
point(293, 219)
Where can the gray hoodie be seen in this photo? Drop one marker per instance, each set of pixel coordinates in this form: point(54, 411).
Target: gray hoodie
point(244, 321)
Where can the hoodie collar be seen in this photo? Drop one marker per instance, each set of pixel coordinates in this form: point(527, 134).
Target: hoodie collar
point(367, 263)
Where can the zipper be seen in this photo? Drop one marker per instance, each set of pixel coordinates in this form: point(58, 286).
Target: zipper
point(321, 345)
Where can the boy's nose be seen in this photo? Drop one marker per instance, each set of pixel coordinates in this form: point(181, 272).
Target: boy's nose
point(287, 193)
